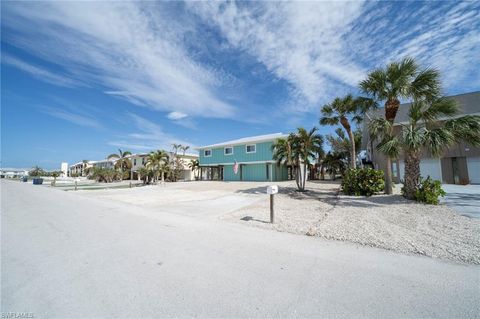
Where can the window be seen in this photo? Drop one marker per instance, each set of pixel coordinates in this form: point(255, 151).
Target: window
point(134, 161)
point(251, 148)
point(143, 160)
point(228, 151)
point(207, 153)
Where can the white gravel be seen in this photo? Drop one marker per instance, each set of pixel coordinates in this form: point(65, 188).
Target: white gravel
point(389, 222)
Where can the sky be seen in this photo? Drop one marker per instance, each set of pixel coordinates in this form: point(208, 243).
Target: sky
point(81, 79)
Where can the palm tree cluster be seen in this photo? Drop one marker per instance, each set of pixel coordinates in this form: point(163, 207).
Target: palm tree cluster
point(157, 162)
point(122, 163)
point(431, 127)
point(298, 151)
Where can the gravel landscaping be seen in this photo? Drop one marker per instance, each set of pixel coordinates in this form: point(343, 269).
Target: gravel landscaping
point(389, 222)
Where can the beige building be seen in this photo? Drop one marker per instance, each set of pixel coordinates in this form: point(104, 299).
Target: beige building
point(139, 160)
point(459, 164)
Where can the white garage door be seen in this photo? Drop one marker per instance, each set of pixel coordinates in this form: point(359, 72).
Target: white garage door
point(431, 167)
point(428, 167)
point(473, 165)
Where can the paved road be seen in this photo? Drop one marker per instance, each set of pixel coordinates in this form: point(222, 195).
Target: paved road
point(65, 256)
point(464, 199)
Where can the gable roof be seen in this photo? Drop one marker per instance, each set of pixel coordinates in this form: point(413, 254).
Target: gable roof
point(246, 140)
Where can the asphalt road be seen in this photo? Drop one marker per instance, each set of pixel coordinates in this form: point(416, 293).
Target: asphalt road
point(66, 256)
point(464, 199)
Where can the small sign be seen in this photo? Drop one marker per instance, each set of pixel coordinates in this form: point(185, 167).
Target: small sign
point(273, 189)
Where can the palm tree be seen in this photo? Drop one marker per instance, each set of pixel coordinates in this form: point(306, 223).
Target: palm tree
point(426, 131)
point(399, 80)
point(145, 173)
point(334, 164)
point(55, 174)
point(343, 111)
point(184, 148)
point(123, 163)
point(298, 150)
point(194, 165)
point(341, 144)
point(84, 167)
point(157, 161)
point(283, 154)
point(308, 144)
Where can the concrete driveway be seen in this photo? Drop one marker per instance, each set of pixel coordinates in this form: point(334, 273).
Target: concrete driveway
point(464, 199)
point(68, 256)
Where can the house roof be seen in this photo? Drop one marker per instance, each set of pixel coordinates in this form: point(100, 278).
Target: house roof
point(246, 140)
point(469, 103)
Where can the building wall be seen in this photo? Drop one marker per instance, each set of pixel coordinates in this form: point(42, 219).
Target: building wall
point(263, 153)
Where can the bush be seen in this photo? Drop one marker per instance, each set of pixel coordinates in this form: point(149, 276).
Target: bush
point(429, 191)
point(362, 182)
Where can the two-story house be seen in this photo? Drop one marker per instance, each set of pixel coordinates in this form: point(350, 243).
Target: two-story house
point(245, 159)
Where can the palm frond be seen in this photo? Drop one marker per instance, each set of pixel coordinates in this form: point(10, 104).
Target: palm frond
point(390, 146)
point(426, 85)
point(379, 127)
point(442, 107)
point(438, 139)
point(466, 128)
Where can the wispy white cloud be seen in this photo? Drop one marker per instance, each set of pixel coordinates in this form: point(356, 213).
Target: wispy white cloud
point(133, 50)
point(39, 72)
point(148, 136)
point(176, 116)
point(323, 49)
point(300, 42)
point(72, 117)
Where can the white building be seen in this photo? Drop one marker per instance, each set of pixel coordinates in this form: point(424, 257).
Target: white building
point(9, 172)
point(64, 169)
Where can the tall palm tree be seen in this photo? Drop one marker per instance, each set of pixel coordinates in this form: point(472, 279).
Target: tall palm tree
point(431, 128)
point(399, 80)
point(298, 150)
point(123, 162)
point(308, 144)
point(344, 111)
point(340, 143)
point(184, 148)
point(157, 161)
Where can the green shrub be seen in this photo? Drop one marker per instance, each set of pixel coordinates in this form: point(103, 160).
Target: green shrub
point(362, 182)
point(429, 191)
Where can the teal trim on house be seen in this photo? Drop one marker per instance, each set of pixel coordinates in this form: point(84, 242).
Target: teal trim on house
point(255, 165)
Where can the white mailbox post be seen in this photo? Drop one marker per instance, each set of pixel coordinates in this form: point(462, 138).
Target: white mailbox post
point(272, 190)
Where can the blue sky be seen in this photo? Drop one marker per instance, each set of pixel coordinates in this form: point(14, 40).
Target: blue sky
point(79, 80)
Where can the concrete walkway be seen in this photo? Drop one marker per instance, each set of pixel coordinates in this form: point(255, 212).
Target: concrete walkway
point(464, 199)
point(68, 256)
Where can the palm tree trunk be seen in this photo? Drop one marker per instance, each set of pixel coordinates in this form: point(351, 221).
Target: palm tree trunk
point(412, 174)
point(347, 127)
point(297, 176)
point(388, 176)
point(391, 109)
point(353, 157)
